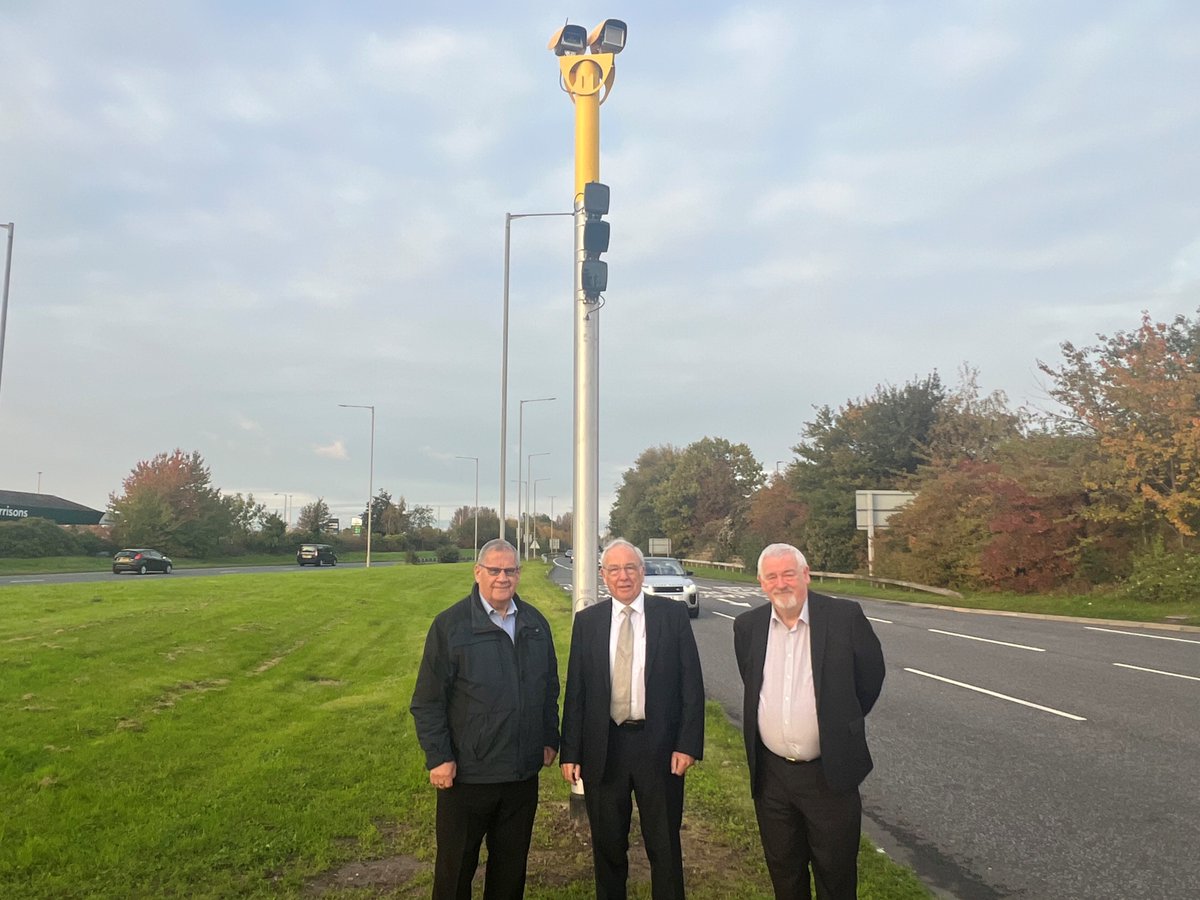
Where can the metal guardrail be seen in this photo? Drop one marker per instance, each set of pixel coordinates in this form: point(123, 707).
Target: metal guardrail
point(880, 582)
point(736, 567)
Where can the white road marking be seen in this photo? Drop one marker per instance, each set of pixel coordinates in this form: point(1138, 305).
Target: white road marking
point(884, 621)
point(723, 615)
point(1157, 637)
point(1157, 671)
point(971, 687)
point(971, 637)
point(27, 581)
point(731, 602)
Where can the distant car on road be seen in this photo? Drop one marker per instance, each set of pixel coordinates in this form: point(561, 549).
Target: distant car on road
point(141, 561)
point(315, 555)
point(665, 577)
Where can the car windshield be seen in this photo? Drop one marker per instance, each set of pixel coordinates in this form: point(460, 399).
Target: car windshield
point(663, 567)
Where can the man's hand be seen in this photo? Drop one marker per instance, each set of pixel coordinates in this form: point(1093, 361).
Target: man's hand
point(442, 777)
point(570, 772)
point(681, 762)
point(548, 754)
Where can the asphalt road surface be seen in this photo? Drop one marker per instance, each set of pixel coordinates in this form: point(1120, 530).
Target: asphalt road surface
point(1019, 757)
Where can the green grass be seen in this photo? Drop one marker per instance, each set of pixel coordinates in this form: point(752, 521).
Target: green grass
point(246, 736)
point(1097, 605)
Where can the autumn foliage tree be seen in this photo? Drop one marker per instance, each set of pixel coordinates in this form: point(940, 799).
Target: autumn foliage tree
point(169, 503)
point(1138, 394)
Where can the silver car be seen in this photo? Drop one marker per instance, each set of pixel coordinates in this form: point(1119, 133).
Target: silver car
point(665, 577)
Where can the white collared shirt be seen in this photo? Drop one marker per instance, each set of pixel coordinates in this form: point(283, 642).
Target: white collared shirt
point(787, 705)
point(637, 707)
point(507, 622)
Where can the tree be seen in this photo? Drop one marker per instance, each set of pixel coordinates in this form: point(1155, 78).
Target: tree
point(1138, 394)
point(462, 525)
point(273, 533)
point(702, 505)
point(872, 443)
point(634, 515)
point(245, 515)
point(169, 503)
point(312, 519)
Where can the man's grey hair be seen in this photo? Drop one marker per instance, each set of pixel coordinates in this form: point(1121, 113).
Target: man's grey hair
point(621, 542)
point(774, 550)
point(497, 545)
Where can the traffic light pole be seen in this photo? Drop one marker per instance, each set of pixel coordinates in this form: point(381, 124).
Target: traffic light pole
point(584, 77)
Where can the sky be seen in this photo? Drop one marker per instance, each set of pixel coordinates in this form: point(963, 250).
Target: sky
point(231, 217)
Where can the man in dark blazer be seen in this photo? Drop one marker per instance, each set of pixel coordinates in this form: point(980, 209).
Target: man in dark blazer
point(633, 723)
point(812, 669)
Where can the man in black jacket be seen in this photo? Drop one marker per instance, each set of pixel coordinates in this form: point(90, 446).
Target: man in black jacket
point(486, 714)
point(812, 669)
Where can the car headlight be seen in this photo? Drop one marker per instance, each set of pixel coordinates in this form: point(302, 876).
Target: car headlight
point(689, 589)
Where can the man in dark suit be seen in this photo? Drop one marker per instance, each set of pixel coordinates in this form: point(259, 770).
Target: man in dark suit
point(812, 669)
point(633, 723)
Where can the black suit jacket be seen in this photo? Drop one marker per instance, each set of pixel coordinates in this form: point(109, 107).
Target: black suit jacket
point(848, 670)
point(674, 687)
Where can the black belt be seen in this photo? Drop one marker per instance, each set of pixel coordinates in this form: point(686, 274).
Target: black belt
point(630, 724)
point(795, 762)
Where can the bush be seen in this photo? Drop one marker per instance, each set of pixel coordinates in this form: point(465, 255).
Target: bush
point(1160, 576)
point(447, 553)
point(40, 537)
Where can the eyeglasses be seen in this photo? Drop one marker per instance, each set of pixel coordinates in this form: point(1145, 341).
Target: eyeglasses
point(628, 569)
point(495, 571)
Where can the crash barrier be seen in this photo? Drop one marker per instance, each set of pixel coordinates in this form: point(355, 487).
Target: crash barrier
point(819, 576)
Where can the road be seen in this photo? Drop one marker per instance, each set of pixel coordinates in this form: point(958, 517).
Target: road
point(1019, 757)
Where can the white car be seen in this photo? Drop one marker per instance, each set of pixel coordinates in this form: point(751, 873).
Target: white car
point(666, 577)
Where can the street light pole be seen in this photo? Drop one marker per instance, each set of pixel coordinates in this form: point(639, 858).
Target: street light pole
point(533, 517)
point(529, 481)
point(476, 458)
point(371, 476)
point(520, 447)
point(508, 217)
point(4, 301)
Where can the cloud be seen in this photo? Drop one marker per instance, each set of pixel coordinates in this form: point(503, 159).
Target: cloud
point(336, 450)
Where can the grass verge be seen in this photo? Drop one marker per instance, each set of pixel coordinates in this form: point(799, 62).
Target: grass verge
point(248, 736)
point(1096, 605)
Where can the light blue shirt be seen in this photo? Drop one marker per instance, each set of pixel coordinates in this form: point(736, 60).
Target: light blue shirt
point(506, 622)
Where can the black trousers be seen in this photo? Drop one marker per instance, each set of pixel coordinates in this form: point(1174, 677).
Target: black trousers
point(468, 813)
point(634, 770)
point(802, 822)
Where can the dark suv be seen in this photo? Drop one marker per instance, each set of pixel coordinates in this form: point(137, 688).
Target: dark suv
point(315, 555)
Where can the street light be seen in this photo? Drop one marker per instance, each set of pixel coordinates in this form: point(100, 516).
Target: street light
point(476, 458)
point(371, 476)
point(508, 217)
point(533, 518)
point(529, 483)
point(4, 301)
point(287, 503)
point(520, 446)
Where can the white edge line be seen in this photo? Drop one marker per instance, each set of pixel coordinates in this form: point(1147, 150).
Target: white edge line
point(1157, 637)
point(1157, 671)
point(971, 687)
point(723, 615)
point(884, 621)
point(971, 637)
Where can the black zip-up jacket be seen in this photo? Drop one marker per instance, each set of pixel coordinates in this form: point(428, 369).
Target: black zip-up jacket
point(484, 701)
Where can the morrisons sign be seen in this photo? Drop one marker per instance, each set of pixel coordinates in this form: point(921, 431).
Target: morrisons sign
point(16, 505)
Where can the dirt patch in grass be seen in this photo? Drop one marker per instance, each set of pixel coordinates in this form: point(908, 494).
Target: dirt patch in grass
point(561, 855)
point(378, 876)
